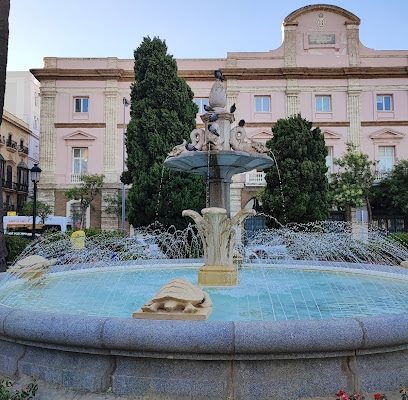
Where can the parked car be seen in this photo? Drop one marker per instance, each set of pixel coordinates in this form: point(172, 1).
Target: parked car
point(265, 251)
point(150, 246)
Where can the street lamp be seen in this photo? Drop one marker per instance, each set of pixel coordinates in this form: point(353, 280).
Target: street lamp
point(125, 104)
point(35, 177)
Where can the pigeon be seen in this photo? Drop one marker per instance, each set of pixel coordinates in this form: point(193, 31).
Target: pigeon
point(233, 108)
point(213, 130)
point(241, 122)
point(208, 108)
point(213, 117)
point(190, 147)
point(218, 75)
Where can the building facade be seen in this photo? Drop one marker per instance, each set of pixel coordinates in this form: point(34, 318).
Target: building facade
point(321, 70)
point(14, 138)
point(22, 99)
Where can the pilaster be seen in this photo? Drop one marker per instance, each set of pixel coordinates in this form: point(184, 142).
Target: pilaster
point(111, 140)
point(289, 42)
point(48, 134)
point(292, 98)
point(354, 112)
point(353, 45)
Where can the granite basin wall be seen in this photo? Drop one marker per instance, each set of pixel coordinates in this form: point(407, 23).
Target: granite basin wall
point(205, 360)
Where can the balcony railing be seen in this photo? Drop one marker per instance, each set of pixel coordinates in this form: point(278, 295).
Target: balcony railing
point(380, 175)
point(11, 145)
point(19, 187)
point(255, 178)
point(23, 150)
point(76, 178)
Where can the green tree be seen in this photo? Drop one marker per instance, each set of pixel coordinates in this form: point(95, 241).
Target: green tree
point(390, 194)
point(162, 115)
point(350, 186)
point(4, 36)
point(43, 209)
point(297, 184)
point(86, 193)
point(113, 204)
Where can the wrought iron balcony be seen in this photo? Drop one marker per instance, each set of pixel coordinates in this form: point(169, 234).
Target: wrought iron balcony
point(23, 150)
point(380, 175)
point(11, 145)
point(20, 187)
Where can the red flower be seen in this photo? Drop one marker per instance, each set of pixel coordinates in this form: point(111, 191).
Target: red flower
point(340, 393)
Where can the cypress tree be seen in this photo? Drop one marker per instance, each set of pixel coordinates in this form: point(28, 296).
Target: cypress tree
point(162, 115)
point(297, 185)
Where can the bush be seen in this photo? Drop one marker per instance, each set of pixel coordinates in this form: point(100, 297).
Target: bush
point(25, 393)
point(400, 237)
point(15, 246)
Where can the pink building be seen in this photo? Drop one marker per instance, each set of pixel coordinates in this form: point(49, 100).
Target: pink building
point(321, 70)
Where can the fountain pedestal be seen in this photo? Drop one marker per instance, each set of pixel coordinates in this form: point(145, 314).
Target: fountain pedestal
point(218, 234)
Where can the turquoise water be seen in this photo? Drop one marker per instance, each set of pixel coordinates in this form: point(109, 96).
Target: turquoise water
point(269, 294)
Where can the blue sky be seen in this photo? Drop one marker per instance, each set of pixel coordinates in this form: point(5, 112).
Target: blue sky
point(191, 29)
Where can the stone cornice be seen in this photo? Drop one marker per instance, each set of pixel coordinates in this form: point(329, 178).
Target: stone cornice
point(82, 74)
point(80, 125)
point(385, 123)
point(229, 73)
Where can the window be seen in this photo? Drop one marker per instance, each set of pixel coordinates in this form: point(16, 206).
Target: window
point(262, 104)
point(200, 103)
point(386, 158)
point(323, 103)
point(384, 102)
point(81, 104)
point(329, 159)
point(80, 161)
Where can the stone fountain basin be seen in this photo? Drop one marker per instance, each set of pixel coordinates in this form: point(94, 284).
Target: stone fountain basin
point(218, 163)
point(203, 359)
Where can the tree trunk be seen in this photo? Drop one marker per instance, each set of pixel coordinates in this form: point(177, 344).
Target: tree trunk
point(4, 35)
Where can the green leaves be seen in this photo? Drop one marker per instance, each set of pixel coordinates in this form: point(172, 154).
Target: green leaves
point(297, 184)
point(350, 186)
point(163, 114)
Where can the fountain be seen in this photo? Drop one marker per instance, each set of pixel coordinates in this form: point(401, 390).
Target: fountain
point(241, 355)
point(218, 152)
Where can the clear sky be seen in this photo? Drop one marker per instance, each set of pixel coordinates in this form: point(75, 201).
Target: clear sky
point(191, 29)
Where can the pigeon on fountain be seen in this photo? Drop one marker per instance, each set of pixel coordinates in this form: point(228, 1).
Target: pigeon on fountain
point(241, 123)
point(233, 108)
point(190, 147)
point(218, 75)
point(208, 108)
point(213, 130)
point(213, 117)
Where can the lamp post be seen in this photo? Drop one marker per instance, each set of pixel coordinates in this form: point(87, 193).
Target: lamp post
point(35, 177)
point(125, 104)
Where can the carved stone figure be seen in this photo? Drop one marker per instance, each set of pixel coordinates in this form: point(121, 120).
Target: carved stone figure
point(31, 267)
point(237, 142)
point(176, 297)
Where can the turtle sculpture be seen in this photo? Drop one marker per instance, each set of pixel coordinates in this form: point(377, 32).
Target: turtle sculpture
point(178, 295)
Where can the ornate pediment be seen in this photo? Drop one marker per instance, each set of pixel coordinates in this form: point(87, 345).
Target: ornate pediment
point(79, 135)
point(387, 134)
point(261, 136)
point(331, 135)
